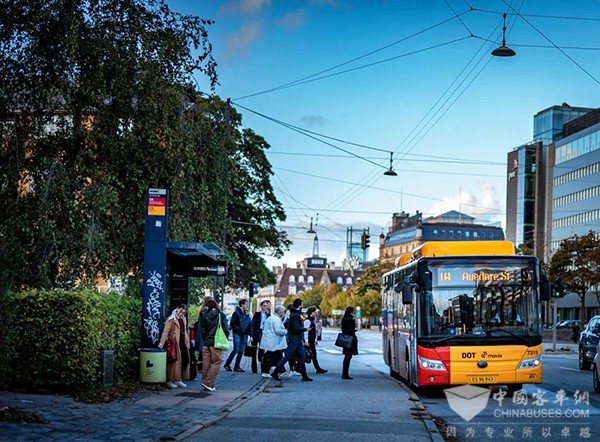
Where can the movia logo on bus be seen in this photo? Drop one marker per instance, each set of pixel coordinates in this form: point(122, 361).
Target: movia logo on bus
point(467, 400)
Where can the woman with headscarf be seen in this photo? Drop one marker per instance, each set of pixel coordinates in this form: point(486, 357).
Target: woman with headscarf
point(176, 328)
point(349, 328)
point(212, 356)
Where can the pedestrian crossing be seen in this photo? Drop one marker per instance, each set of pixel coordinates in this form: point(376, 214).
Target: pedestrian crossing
point(374, 351)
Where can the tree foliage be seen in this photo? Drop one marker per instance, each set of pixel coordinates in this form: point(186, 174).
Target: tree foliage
point(577, 263)
point(95, 107)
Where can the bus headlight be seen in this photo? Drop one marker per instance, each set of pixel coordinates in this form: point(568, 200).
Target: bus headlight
point(530, 363)
point(431, 364)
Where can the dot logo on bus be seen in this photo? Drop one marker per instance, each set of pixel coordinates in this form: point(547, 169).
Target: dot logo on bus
point(468, 355)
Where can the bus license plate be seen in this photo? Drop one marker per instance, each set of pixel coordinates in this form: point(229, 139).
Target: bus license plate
point(482, 379)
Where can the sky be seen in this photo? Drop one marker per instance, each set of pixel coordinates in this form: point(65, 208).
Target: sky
point(336, 87)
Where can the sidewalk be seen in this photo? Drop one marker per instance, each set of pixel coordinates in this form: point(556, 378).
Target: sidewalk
point(181, 413)
point(151, 416)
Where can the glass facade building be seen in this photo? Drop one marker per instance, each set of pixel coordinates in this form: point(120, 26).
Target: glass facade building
point(576, 179)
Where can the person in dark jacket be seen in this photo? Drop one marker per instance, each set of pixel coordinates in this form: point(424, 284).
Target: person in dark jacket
point(211, 356)
point(311, 343)
point(198, 341)
point(349, 328)
point(296, 331)
point(239, 323)
point(258, 323)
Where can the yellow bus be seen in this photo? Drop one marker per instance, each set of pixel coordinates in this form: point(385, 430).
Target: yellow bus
point(464, 312)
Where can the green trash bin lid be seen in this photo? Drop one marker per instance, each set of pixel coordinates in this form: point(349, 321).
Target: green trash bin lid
point(152, 350)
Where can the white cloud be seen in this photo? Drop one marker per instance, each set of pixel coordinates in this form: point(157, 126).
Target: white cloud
point(485, 205)
point(237, 45)
point(246, 7)
point(292, 20)
point(313, 120)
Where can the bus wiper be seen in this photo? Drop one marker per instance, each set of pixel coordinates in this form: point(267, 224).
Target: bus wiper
point(444, 339)
point(526, 341)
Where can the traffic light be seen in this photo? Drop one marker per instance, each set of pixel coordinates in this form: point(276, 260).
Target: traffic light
point(252, 289)
point(363, 241)
point(367, 240)
point(558, 289)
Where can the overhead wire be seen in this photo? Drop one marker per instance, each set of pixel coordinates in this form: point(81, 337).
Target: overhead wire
point(448, 160)
point(295, 82)
point(552, 43)
point(406, 150)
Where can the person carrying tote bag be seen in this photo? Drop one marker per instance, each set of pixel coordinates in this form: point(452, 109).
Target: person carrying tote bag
point(212, 320)
point(349, 328)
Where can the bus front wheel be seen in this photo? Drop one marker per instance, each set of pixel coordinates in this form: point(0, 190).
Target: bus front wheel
point(393, 373)
point(511, 388)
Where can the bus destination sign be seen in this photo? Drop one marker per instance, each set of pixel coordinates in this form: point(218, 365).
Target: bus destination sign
point(460, 276)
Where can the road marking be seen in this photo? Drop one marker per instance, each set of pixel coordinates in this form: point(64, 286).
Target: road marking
point(568, 368)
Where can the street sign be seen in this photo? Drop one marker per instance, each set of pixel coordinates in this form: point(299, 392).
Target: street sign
point(337, 312)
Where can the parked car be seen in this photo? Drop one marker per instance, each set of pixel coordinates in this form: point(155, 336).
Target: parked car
point(570, 323)
point(588, 343)
point(596, 372)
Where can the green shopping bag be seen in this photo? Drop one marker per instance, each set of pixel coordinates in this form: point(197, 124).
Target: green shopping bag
point(221, 341)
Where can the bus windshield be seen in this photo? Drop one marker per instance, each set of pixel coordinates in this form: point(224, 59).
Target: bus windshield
point(467, 299)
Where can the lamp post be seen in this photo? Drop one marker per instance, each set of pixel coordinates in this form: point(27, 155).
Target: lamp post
point(391, 171)
point(503, 50)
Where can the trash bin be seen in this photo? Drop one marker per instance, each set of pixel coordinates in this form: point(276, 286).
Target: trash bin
point(153, 365)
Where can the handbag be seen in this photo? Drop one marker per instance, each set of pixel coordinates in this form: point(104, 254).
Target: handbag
point(250, 351)
point(344, 341)
point(309, 355)
point(221, 341)
point(171, 350)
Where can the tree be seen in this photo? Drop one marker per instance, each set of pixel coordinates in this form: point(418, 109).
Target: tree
point(96, 107)
point(367, 291)
point(576, 263)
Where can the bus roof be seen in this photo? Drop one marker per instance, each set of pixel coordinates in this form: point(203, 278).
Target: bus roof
point(463, 248)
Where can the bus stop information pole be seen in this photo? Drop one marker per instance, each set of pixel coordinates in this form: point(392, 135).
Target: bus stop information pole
point(155, 266)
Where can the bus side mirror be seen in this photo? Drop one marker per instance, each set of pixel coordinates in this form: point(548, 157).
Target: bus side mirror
point(545, 289)
point(407, 293)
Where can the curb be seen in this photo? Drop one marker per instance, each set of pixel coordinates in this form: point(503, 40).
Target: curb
point(432, 429)
point(425, 417)
point(226, 409)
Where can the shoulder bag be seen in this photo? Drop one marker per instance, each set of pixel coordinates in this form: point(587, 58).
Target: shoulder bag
point(344, 341)
point(221, 341)
point(171, 349)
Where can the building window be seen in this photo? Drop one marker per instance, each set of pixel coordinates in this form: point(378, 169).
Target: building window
point(292, 279)
point(467, 234)
point(451, 232)
point(339, 281)
point(435, 232)
point(443, 232)
point(291, 289)
point(348, 281)
point(301, 279)
point(310, 279)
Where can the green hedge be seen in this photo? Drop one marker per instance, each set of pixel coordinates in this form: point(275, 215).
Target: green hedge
point(51, 340)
